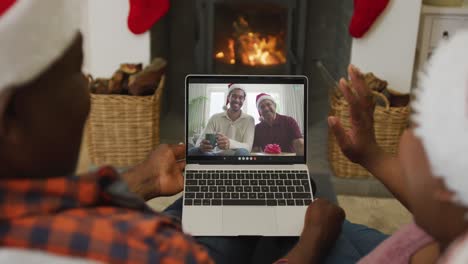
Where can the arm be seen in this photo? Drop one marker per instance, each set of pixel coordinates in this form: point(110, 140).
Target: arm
point(159, 175)
point(247, 139)
point(210, 128)
point(298, 145)
point(359, 144)
point(322, 226)
point(295, 134)
point(387, 169)
point(256, 149)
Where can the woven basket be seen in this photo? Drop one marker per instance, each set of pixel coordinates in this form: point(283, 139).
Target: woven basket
point(389, 124)
point(123, 129)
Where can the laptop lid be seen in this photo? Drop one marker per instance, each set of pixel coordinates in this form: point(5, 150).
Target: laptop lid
point(205, 104)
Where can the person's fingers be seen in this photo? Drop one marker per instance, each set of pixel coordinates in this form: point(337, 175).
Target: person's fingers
point(347, 93)
point(206, 148)
point(339, 132)
point(205, 144)
point(181, 165)
point(179, 151)
point(177, 183)
point(357, 79)
point(355, 110)
point(365, 97)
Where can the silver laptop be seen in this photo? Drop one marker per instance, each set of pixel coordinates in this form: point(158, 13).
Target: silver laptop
point(258, 185)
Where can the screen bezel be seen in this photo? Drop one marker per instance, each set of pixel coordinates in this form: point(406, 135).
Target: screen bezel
point(248, 79)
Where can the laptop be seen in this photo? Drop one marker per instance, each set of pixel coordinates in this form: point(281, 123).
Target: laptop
point(263, 190)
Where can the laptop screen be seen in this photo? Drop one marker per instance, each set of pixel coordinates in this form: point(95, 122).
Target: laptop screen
point(234, 119)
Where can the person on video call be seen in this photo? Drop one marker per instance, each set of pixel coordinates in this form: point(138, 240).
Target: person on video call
point(232, 129)
point(276, 129)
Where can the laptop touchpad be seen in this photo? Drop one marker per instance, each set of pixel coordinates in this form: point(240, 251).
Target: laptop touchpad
point(245, 220)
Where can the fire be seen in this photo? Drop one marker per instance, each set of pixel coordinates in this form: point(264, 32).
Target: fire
point(251, 47)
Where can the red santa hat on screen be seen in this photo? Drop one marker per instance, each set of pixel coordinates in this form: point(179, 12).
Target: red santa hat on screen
point(34, 34)
point(260, 98)
point(232, 87)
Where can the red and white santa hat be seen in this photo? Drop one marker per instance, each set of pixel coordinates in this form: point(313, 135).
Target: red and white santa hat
point(232, 87)
point(441, 114)
point(34, 33)
point(261, 97)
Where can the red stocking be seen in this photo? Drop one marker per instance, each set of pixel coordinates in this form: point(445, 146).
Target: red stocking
point(365, 13)
point(5, 5)
point(144, 13)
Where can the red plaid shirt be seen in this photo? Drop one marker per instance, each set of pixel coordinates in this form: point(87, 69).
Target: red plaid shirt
point(91, 216)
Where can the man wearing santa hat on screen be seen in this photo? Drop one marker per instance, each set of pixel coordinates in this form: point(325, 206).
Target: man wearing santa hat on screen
point(275, 128)
point(233, 129)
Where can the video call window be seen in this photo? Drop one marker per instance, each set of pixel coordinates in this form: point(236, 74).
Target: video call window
point(277, 132)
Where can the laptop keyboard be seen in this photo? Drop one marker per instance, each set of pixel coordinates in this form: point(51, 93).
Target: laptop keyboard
point(247, 187)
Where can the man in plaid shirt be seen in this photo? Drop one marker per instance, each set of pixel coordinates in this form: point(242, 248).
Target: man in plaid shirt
point(44, 102)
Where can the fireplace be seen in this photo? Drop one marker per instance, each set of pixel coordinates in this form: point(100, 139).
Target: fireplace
point(193, 33)
point(250, 37)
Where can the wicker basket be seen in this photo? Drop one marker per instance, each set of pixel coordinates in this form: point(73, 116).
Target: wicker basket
point(123, 129)
point(389, 124)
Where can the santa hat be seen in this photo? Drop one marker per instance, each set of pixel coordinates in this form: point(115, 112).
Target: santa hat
point(263, 96)
point(34, 34)
point(441, 113)
point(260, 98)
point(232, 87)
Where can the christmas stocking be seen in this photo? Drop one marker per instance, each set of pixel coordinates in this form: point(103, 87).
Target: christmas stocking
point(144, 13)
point(365, 13)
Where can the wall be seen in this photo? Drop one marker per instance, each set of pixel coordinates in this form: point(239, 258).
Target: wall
point(328, 41)
point(107, 40)
point(388, 49)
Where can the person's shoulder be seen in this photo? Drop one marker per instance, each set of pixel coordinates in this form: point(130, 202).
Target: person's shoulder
point(289, 118)
point(260, 125)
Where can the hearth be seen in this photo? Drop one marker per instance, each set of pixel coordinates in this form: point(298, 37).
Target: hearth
point(250, 37)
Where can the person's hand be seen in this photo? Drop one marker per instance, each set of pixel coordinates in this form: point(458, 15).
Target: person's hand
point(205, 146)
point(322, 223)
point(161, 174)
point(359, 143)
point(322, 226)
point(223, 141)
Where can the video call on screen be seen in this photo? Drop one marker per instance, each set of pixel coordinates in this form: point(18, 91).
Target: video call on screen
point(268, 120)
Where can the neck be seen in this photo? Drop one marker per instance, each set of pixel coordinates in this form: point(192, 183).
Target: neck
point(270, 120)
point(234, 115)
